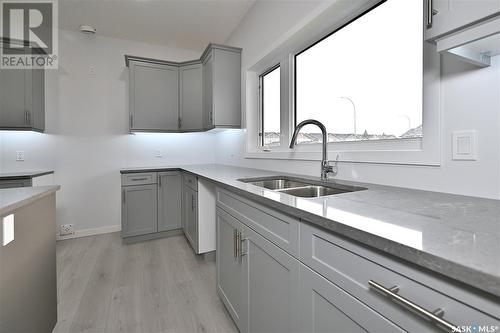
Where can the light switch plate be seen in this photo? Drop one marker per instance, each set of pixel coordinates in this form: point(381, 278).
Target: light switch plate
point(464, 145)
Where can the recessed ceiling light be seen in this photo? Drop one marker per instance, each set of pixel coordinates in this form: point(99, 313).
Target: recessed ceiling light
point(87, 29)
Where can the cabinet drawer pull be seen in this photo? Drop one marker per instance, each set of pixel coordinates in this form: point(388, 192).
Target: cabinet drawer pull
point(139, 179)
point(434, 316)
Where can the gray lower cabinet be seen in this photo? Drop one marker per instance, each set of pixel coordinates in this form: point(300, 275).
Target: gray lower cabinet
point(331, 284)
point(190, 101)
point(270, 285)
point(169, 200)
point(256, 280)
point(324, 307)
point(22, 99)
point(153, 96)
point(190, 216)
point(221, 86)
point(139, 210)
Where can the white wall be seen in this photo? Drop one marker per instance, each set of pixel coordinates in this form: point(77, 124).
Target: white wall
point(86, 140)
point(470, 99)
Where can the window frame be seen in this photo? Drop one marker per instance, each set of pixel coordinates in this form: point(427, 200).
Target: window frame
point(425, 151)
point(261, 135)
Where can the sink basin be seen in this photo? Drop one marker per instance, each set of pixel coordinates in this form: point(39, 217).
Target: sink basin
point(277, 184)
point(305, 188)
point(313, 191)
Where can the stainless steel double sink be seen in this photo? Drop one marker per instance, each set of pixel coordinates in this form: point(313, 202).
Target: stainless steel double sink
point(299, 187)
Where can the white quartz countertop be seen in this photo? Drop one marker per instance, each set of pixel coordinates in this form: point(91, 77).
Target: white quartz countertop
point(457, 236)
point(15, 198)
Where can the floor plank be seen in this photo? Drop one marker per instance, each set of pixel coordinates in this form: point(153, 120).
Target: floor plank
point(154, 286)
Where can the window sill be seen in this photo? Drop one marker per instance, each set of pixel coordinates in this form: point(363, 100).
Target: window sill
point(392, 157)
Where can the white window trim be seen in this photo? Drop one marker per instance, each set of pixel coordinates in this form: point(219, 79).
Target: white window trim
point(421, 151)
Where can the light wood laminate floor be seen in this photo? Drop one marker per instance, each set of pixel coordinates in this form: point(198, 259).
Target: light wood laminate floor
point(154, 286)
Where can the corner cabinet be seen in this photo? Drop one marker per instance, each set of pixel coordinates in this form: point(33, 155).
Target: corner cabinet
point(153, 96)
point(22, 99)
point(190, 100)
point(150, 203)
point(169, 200)
point(221, 87)
point(191, 96)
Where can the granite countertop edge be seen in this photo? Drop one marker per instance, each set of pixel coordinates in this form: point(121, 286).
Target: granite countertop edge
point(27, 196)
point(24, 175)
point(471, 277)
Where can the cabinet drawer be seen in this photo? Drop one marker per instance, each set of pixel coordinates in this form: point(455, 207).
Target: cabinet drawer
point(278, 228)
point(191, 181)
point(142, 178)
point(351, 267)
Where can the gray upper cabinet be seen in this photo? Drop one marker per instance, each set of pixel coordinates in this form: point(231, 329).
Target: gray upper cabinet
point(154, 94)
point(221, 86)
point(187, 96)
point(451, 15)
point(190, 92)
point(139, 210)
point(169, 200)
point(22, 99)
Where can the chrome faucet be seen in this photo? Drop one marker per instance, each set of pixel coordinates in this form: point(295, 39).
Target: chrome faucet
point(326, 168)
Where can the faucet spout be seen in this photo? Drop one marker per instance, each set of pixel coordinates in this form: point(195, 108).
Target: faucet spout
point(325, 167)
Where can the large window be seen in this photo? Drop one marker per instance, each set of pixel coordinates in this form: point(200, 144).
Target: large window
point(364, 81)
point(270, 132)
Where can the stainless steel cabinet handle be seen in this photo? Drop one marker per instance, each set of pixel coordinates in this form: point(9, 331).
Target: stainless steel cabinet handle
point(434, 316)
point(159, 181)
point(138, 179)
point(235, 246)
point(131, 121)
point(123, 196)
point(430, 13)
point(240, 243)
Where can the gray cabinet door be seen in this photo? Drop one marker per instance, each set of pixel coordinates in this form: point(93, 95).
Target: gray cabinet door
point(22, 98)
point(270, 284)
point(190, 85)
point(169, 200)
point(453, 14)
point(226, 89)
point(154, 97)
point(229, 267)
point(139, 210)
point(324, 307)
point(190, 203)
point(208, 93)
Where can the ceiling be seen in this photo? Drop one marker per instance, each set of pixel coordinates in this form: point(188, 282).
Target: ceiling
point(188, 24)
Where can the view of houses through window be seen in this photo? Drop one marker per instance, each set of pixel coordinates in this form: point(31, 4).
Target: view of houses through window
point(364, 81)
point(270, 94)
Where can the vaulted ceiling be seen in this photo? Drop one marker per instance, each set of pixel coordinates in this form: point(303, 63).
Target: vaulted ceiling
point(188, 24)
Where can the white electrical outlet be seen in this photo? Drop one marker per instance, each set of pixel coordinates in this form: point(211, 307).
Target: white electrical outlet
point(20, 155)
point(92, 70)
point(158, 153)
point(66, 229)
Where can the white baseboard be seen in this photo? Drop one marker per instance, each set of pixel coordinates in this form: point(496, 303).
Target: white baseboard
point(90, 232)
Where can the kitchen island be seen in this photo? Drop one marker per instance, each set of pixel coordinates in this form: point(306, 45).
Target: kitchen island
point(28, 283)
